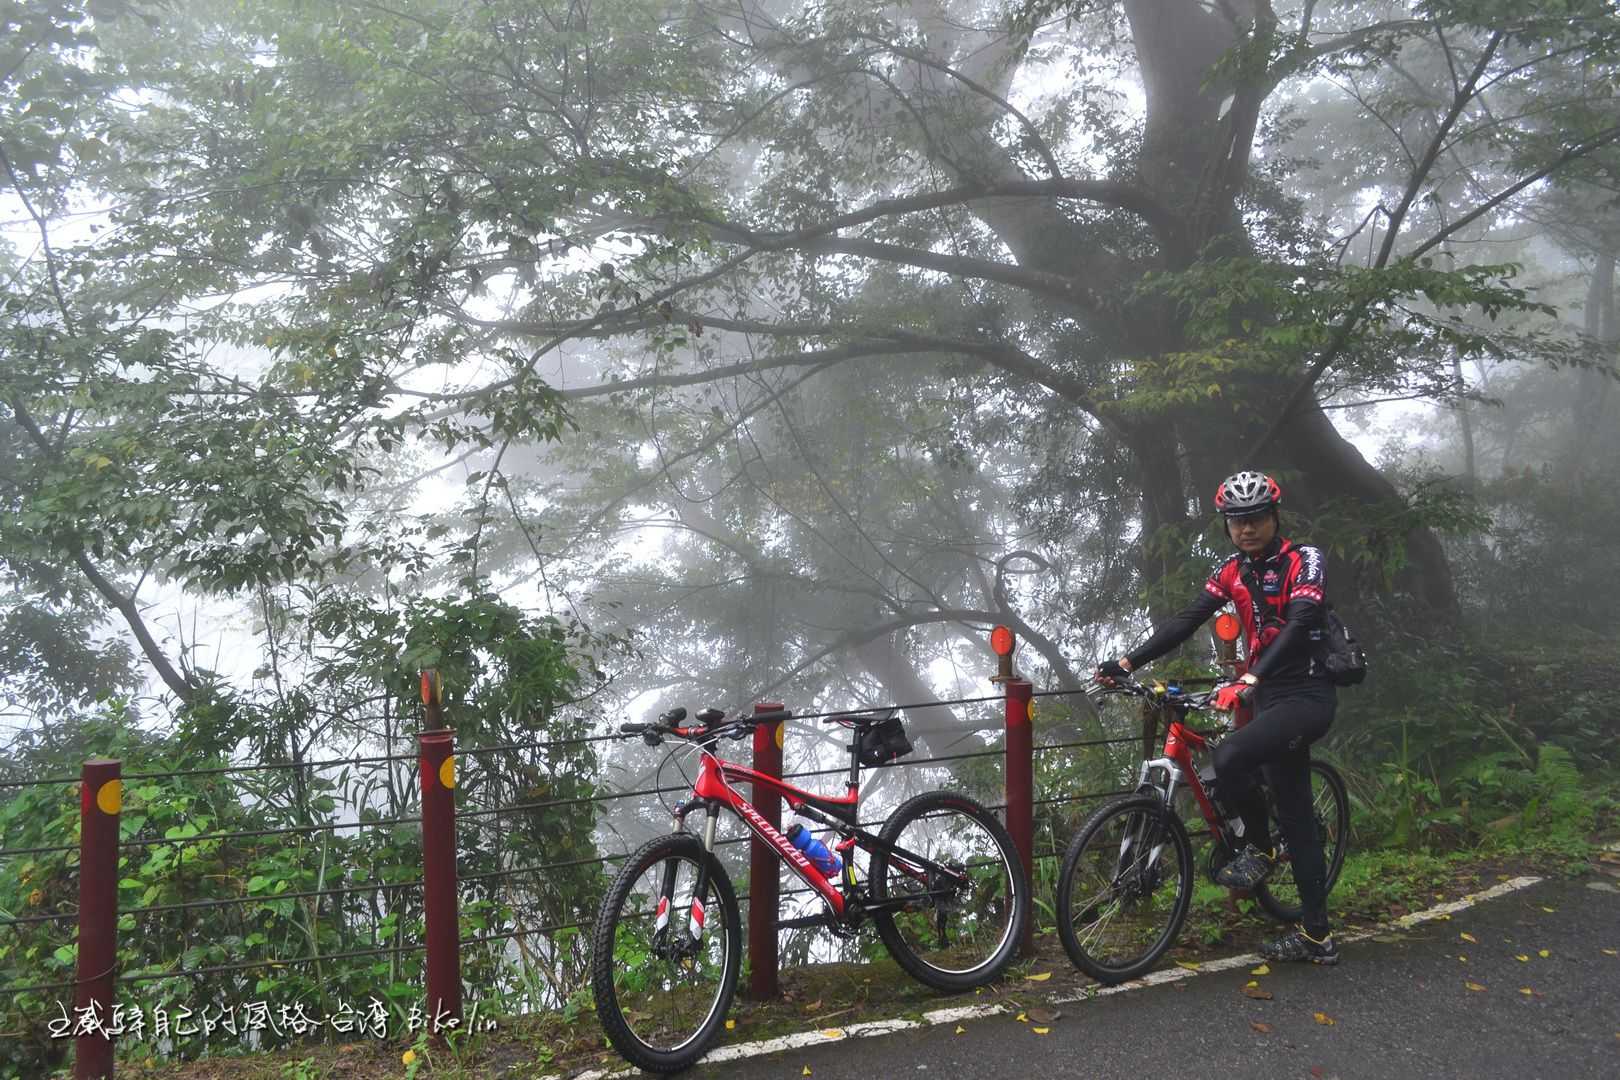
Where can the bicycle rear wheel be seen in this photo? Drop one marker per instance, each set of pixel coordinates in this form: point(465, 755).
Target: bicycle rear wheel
point(1124, 888)
point(959, 928)
point(1331, 807)
point(662, 993)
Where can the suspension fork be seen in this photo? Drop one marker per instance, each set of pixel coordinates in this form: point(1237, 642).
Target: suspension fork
point(1149, 834)
point(700, 887)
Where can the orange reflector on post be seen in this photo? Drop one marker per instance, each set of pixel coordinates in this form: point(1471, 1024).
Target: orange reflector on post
point(1001, 641)
point(432, 687)
point(1227, 627)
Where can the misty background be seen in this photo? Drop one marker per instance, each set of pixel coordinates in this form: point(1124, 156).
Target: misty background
point(619, 354)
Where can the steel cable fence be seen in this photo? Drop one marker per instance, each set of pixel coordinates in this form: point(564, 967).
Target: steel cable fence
point(476, 819)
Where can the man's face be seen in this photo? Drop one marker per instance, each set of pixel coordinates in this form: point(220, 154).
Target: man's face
point(1252, 532)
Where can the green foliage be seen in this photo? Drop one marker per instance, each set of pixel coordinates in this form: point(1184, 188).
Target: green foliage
point(1249, 319)
point(514, 673)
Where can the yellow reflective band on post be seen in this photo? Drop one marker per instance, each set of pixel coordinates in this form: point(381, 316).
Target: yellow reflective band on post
point(110, 797)
point(781, 733)
point(447, 772)
point(1032, 710)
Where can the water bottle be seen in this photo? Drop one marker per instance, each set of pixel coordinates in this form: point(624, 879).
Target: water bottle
point(814, 850)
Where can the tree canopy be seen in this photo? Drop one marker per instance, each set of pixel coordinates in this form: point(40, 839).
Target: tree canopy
point(800, 341)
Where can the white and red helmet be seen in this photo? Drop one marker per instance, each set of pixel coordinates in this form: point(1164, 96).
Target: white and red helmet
point(1247, 492)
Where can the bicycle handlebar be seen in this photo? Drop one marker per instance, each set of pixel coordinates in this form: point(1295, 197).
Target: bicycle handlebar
point(1169, 692)
point(669, 723)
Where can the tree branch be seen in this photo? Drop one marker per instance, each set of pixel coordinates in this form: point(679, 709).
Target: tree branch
point(183, 688)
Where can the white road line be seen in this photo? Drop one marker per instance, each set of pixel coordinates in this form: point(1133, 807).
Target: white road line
point(958, 1014)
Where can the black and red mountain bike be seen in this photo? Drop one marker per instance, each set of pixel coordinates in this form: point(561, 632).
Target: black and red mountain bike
point(1126, 880)
point(942, 885)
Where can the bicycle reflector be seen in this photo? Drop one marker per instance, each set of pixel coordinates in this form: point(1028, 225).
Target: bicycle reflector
point(1002, 643)
point(1226, 626)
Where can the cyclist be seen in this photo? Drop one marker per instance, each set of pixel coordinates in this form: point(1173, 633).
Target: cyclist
point(1277, 588)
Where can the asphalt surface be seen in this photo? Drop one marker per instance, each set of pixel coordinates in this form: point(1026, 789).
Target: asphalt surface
point(1400, 1006)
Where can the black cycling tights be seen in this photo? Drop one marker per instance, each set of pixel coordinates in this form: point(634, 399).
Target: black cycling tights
point(1288, 717)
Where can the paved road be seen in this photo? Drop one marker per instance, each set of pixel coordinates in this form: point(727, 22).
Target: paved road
point(1400, 1005)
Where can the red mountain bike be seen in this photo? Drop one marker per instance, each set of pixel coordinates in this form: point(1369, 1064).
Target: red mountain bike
point(943, 886)
point(1126, 880)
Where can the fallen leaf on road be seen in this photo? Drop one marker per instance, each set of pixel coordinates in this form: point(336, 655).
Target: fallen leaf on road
point(1526, 991)
point(1473, 986)
point(1264, 1029)
point(1548, 910)
point(1317, 1071)
point(1522, 958)
point(1041, 1030)
point(814, 1006)
point(1042, 977)
point(731, 1025)
point(1325, 1020)
point(1470, 938)
point(1610, 952)
point(806, 1071)
point(1261, 970)
point(960, 1030)
point(1190, 965)
point(1250, 984)
point(1044, 1016)
point(833, 1033)
point(1463, 958)
point(1543, 953)
point(1022, 1018)
point(1257, 993)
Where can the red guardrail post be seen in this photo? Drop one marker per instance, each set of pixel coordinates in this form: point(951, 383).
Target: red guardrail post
point(1020, 746)
point(101, 797)
point(763, 895)
point(437, 760)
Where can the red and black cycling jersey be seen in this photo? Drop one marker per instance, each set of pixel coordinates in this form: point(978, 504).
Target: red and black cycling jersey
point(1282, 615)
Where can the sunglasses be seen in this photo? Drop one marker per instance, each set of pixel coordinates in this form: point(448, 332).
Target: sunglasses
point(1240, 520)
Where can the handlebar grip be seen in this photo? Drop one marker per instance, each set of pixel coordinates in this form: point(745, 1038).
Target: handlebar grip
point(674, 716)
point(772, 717)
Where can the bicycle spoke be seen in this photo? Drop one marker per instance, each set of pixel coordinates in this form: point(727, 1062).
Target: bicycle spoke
point(960, 910)
point(1122, 891)
point(667, 981)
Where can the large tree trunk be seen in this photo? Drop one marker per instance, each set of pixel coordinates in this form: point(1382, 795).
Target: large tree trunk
point(1589, 409)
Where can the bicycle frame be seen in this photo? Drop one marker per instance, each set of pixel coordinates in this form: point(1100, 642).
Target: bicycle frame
point(713, 788)
point(1179, 743)
point(713, 791)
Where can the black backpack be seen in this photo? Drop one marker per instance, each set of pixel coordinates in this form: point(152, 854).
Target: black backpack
point(1339, 655)
point(1342, 658)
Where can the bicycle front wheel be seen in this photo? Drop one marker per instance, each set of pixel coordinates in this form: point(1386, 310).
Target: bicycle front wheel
point(665, 963)
point(963, 917)
point(1330, 806)
point(1124, 889)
